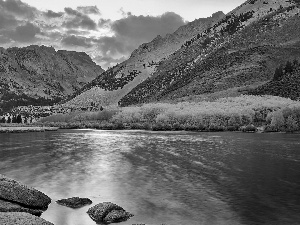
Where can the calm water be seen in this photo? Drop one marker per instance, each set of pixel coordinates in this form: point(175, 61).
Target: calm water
point(171, 178)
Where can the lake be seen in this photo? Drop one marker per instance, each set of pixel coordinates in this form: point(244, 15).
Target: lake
point(171, 178)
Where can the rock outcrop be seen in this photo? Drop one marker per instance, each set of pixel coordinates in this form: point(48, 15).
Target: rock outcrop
point(108, 212)
point(21, 218)
point(16, 192)
point(74, 202)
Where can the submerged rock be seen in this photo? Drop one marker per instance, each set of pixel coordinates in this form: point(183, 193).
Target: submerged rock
point(21, 218)
point(74, 202)
point(14, 207)
point(108, 212)
point(17, 192)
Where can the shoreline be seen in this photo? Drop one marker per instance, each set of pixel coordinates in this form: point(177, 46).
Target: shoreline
point(26, 129)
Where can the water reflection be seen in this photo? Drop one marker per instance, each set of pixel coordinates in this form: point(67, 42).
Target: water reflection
point(162, 177)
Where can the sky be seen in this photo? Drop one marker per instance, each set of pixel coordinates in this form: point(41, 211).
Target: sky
point(108, 30)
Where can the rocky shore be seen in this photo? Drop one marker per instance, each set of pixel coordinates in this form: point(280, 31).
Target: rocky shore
point(26, 129)
point(23, 205)
point(20, 204)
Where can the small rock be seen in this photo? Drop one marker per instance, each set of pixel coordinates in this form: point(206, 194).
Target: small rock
point(108, 212)
point(116, 216)
point(21, 218)
point(17, 192)
point(14, 207)
point(75, 202)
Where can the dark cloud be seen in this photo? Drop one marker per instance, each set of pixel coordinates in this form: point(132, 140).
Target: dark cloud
point(72, 12)
point(131, 31)
point(7, 20)
point(51, 14)
point(89, 10)
point(77, 41)
point(25, 33)
point(145, 28)
point(79, 20)
point(18, 8)
point(104, 22)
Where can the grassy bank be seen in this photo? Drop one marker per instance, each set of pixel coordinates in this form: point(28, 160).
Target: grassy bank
point(227, 114)
point(13, 129)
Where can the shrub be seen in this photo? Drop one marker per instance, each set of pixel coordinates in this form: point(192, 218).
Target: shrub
point(291, 124)
point(278, 121)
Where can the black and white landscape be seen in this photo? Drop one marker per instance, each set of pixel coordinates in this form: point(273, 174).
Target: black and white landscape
point(173, 112)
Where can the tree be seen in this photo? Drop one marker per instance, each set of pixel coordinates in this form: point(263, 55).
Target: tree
point(291, 124)
point(3, 120)
point(278, 73)
point(278, 121)
point(19, 119)
point(14, 119)
point(9, 120)
point(288, 67)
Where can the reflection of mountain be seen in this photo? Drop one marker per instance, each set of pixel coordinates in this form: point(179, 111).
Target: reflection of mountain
point(40, 75)
point(241, 49)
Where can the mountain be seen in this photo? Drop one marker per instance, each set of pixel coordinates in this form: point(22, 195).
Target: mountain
point(241, 50)
point(39, 75)
point(115, 83)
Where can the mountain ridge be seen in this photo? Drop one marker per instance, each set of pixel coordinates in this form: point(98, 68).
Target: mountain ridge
point(116, 82)
point(175, 78)
point(42, 75)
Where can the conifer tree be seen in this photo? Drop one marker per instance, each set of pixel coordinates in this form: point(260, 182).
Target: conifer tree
point(19, 119)
point(278, 73)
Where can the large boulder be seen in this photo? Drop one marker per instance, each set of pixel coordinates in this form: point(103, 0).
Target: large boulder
point(14, 207)
point(74, 202)
point(21, 218)
point(108, 212)
point(17, 192)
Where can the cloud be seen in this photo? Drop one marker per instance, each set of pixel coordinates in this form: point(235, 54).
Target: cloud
point(89, 10)
point(147, 27)
point(82, 29)
point(131, 31)
point(51, 14)
point(7, 20)
point(77, 41)
point(104, 22)
point(78, 19)
point(18, 8)
point(107, 61)
point(25, 33)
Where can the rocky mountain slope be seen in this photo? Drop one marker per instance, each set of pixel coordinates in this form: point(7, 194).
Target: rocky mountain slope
point(234, 53)
point(118, 81)
point(39, 75)
point(241, 50)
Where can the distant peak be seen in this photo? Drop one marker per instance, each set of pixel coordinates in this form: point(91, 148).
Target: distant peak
point(218, 14)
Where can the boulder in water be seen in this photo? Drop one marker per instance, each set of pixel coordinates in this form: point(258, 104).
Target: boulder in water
point(116, 216)
point(21, 218)
point(14, 191)
point(108, 212)
point(14, 207)
point(74, 202)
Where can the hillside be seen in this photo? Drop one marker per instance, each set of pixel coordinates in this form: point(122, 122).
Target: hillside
point(242, 49)
point(118, 81)
point(39, 75)
point(285, 82)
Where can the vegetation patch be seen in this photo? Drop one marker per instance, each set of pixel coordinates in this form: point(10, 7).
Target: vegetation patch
point(244, 113)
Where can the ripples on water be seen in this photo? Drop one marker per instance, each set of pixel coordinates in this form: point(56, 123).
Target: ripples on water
point(162, 177)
